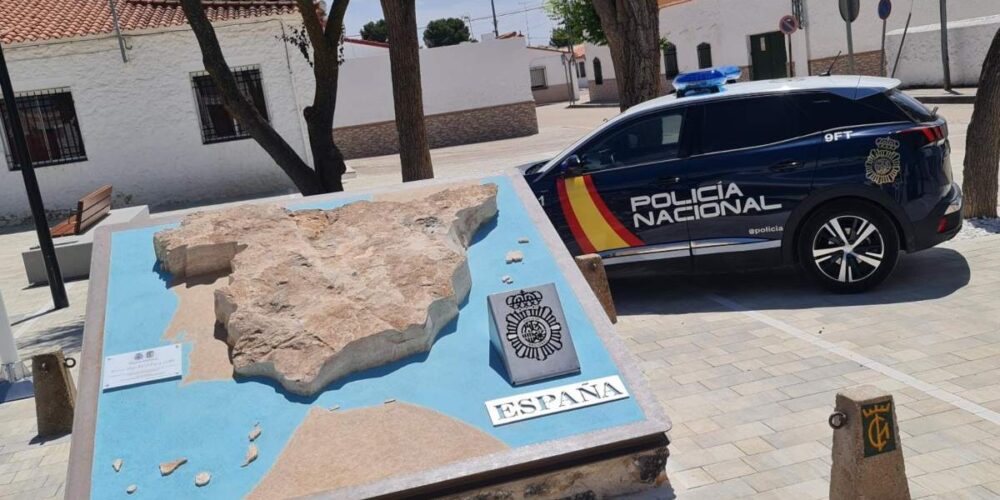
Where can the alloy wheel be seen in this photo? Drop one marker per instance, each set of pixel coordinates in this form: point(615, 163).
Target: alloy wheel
point(848, 249)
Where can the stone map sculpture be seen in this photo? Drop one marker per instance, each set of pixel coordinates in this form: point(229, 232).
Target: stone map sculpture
point(314, 295)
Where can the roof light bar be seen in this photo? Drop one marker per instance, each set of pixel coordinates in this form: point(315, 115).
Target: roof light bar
point(706, 81)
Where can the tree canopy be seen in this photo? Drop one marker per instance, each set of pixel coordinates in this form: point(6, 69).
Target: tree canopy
point(375, 31)
point(579, 20)
point(560, 38)
point(448, 31)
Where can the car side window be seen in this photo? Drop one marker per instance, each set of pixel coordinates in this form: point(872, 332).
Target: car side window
point(748, 122)
point(827, 111)
point(644, 140)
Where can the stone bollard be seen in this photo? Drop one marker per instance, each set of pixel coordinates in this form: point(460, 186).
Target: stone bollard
point(867, 454)
point(55, 395)
point(593, 270)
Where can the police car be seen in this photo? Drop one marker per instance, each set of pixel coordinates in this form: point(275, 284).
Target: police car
point(837, 174)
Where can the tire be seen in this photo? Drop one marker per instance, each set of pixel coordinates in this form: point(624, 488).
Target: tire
point(848, 246)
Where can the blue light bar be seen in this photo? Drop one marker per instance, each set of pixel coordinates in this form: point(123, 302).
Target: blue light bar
point(705, 81)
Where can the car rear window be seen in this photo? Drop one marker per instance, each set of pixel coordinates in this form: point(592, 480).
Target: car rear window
point(912, 107)
point(825, 111)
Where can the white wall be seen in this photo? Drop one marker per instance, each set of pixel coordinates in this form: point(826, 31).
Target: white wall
point(453, 78)
point(555, 68)
point(139, 120)
point(920, 61)
point(603, 53)
point(357, 48)
point(726, 25)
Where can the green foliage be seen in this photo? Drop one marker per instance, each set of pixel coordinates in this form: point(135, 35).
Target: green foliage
point(448, 31)
point(560, 38)
point(579, 19)
point(375, 31)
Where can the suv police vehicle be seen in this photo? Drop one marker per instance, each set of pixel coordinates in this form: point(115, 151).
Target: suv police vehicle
point(838, 174)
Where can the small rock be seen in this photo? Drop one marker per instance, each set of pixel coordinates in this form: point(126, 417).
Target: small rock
point(117, 464)
point(131, 489)
point(334, 407)
point(202, 479)
point(514, 256)
point(522, 240)
point(391, 400)
point(251, 455)
point(168, 468)
point(254, 433)
point(507, 279)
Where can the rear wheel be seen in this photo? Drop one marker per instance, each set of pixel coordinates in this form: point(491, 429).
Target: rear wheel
point(848, 247)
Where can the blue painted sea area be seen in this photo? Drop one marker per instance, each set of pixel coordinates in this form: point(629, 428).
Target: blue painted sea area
point(208, 422)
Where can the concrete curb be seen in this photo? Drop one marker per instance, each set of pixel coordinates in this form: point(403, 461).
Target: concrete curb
point(946, 99)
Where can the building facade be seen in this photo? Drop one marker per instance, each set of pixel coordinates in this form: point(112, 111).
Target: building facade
point(152, 124)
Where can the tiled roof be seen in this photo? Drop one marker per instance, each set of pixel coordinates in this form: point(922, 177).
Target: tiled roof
point(36, 20)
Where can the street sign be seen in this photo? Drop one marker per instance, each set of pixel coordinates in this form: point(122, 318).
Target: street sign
point(884, 9)
point(788, 24)
point(849, 10)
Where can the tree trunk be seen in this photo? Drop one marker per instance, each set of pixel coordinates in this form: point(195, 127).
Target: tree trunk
point(404, 59)
point(325, 41)
point(304, 177)
point(982, 142)
point(633, 32)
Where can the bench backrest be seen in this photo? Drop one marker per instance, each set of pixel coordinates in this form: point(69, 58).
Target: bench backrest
point(92, 208)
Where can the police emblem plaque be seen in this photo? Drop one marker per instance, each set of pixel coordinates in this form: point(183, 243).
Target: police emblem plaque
point(529, 331)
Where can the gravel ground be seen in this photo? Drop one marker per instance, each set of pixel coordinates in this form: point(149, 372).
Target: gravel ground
point(975, 228)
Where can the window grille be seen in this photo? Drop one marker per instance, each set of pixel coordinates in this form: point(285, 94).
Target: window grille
point(581, 69)
point(670, 66)
point(217, 125)
point(598, 72)
point(50, 125)
point(538, 78)
point(704, 55)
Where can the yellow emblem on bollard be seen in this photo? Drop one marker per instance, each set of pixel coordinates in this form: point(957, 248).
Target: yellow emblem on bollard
point(877, 428)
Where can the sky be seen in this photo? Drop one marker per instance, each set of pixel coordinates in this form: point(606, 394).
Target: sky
point(525, 16)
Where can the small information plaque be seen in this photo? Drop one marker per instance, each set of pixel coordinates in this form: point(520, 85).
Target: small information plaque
point(138, 367)
point(529, 331)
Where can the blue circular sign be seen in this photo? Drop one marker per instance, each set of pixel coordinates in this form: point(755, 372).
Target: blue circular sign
point(884, 9)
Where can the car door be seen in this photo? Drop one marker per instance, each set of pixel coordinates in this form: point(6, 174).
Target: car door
point(752, 165)
point(612, 198)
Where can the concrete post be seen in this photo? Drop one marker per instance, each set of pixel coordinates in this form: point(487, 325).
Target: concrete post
point(593, 270)
point(55, 394)
point(8, 348)
point(867, 454)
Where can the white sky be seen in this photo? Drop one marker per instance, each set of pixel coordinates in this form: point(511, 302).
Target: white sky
point(511, 16)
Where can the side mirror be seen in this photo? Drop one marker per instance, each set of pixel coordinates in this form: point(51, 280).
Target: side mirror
point(571, 165)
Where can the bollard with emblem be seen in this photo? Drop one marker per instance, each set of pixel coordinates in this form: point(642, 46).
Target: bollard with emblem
point(55, 395)
point(867, 454)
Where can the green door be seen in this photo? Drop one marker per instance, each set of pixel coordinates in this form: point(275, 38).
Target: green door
point(768, 56)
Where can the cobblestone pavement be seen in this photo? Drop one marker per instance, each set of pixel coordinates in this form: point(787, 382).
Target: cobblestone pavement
point(747, 366)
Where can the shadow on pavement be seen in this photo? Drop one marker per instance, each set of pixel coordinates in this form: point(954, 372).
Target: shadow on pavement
point(927, 275)
point(68, 337)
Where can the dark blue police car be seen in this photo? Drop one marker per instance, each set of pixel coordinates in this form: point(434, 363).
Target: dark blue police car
point(835, 173)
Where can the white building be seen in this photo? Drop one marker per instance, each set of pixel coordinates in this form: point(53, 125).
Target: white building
point(553, 75)
point(154, 127)
point(746, 34)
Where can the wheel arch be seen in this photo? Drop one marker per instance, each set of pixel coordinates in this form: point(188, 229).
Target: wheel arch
point(864, 194)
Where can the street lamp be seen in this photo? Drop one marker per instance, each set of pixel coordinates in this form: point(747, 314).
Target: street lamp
point(21, 157)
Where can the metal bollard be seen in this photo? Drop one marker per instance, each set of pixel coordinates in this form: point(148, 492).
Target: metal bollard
point(55, 395)
point(867, 454)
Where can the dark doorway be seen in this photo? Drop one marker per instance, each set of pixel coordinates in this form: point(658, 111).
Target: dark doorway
point(768, 56)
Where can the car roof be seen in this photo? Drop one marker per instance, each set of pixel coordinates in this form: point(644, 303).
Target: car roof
point(849, 86)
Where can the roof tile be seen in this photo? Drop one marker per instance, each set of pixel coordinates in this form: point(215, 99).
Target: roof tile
point(37, 20)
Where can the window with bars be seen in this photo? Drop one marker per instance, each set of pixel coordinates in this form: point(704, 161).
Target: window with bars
point(51, 129)
point(538, 78)
point(217, 125)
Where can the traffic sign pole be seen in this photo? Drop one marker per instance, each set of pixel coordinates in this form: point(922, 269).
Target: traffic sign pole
point(789, 25)
point(850, 49)
point(791, 64)
point(58, 289)
point(884, 9)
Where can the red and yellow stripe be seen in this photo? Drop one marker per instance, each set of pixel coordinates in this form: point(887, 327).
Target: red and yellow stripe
point(594, 227)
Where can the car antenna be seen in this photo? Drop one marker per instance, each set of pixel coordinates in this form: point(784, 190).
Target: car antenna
point(830, 68)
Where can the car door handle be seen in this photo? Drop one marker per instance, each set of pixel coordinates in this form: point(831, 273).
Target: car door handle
point(666, 181)
point(786, 166)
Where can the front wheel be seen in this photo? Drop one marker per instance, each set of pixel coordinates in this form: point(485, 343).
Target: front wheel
point(848, 247)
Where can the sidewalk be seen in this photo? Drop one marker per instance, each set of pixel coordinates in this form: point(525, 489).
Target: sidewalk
point(966, 95)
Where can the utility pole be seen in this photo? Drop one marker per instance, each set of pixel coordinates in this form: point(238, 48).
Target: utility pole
point(496, 31)
point(944, 45)
point(21, 157)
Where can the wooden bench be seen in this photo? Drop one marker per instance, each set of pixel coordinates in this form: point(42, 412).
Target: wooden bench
point(89, 211)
